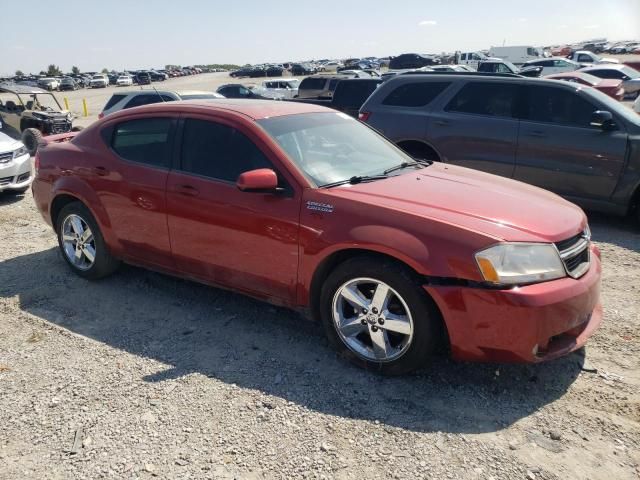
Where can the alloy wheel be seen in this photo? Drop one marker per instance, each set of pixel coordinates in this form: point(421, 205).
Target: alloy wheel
point(372, 319)
point(78, 242)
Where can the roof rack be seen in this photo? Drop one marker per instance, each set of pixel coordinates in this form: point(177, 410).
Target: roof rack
point(464, 74)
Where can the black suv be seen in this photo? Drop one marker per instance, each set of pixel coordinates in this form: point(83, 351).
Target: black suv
point(574, 141)
point(411, 60)
point(143, 78)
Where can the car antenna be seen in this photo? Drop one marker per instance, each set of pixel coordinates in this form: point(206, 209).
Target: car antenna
point(161, 98)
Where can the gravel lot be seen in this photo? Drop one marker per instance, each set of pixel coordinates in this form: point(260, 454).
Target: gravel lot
point(142, 375)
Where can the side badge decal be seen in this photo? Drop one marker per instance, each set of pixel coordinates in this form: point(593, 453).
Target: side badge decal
point(320, 207)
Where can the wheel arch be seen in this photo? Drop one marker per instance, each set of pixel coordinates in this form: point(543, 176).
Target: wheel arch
point(413, 145)
point(336, 258)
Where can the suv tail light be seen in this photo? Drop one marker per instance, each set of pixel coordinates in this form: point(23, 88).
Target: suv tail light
point(364, 116)
point(37, 162)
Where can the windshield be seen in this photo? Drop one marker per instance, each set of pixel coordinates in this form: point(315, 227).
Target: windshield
point(330, 147)
point(45, 102)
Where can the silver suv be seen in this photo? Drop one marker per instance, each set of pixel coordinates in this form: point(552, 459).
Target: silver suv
point(572, 140)
point(137, 98)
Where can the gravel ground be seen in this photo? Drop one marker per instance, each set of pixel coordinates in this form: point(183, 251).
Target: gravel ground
point(143, 375)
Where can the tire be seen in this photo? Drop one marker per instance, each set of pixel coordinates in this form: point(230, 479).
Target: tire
point(406, 351)
point(31, 138)
point(103, 263)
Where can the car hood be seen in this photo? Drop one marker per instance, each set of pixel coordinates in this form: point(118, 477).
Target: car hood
point(8, 144)
point(495, 206)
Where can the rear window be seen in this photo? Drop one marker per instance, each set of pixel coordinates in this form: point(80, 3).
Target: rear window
point(312, 84)
point(354, 93)
point(491, 99)
point(144, 141)
point(415, 94)
point(113, 100)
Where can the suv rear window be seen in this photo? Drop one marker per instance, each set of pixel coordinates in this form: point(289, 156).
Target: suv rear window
point(146, 99)
point(143, 141)
point(415, 94)
point(113, 100)
point(492, 99)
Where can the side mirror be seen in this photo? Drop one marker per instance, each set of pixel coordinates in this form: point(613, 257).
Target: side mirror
point(602, 120)
point(262, 180)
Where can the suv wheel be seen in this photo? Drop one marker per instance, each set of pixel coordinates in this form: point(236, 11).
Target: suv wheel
point(82, 244)
point(377, 316)
point(31, 138)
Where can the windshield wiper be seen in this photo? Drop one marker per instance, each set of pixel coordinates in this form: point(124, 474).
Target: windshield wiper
point(355, 179)
point(404, 165)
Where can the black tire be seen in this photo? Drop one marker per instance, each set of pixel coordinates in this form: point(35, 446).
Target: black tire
point(31, 138)
point(105, 264)
point(427, 324)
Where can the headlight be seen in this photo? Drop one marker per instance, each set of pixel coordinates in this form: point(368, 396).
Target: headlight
point(520, 263)
point(20, 152)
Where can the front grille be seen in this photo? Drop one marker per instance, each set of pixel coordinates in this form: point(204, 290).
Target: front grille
point(6, 180)
point(6, 157)
point(574, 253)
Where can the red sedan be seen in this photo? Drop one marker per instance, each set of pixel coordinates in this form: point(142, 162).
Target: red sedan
point(611, 87)
point(306, 207)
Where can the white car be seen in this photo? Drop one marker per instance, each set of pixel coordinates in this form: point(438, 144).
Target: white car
point(553, 65)
point(585, 57)
point(630, 76)
point(124, 81)
point(122, 100)
point(331, 66)
point(284, 88)
point(15, 165)
point(99, 81)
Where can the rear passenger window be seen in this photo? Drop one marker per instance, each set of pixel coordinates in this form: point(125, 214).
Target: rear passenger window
point(113, 100)
point(144, 141)
point(559, 106)
point(492, 99)
point(415, 94)
point(312, 84)
point(218, 151)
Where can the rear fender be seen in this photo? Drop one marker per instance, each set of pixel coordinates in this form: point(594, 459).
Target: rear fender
point(76, 187)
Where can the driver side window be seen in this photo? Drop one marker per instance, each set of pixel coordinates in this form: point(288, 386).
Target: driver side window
point(558, 106)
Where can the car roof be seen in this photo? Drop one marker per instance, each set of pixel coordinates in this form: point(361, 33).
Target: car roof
point(23, 89)
point(254, 109)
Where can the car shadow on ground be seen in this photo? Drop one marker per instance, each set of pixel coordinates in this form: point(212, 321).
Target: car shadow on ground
point(195, 329)
point(8, 198)
point(621, 231)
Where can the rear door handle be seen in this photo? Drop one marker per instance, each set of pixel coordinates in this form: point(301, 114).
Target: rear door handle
point(187, 190)
point(101, 171)
point(442, 123)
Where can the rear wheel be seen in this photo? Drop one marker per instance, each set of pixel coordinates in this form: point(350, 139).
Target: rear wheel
point(377, 316)
point(31, 138)
point(82, 244)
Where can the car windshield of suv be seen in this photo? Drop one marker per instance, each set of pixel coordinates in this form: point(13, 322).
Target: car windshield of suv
point(331, 147)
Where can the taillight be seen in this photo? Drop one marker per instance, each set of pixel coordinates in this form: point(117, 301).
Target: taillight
point(364, 116)
point(37, 162)
point(101, 115)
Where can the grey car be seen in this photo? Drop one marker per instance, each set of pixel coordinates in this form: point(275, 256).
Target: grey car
point(570, 139)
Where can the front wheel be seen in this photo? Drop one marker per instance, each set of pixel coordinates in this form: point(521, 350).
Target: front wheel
point(82, 244)
point(376, 315)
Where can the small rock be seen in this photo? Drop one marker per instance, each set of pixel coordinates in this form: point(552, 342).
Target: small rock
point(326, 447)
point(149, 467)
point(87, 442)
point(555, 435)
point(513, 445)
point(531, 475)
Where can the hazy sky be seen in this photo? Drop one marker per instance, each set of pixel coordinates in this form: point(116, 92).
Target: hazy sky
point(134, 34)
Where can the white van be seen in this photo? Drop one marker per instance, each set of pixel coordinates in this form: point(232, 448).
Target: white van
point(471, 59)
point(516, 54)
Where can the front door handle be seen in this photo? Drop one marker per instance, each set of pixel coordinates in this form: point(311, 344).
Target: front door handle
point(188, 190)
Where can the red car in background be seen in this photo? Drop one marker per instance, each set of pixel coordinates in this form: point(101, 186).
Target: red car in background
point(611, 87)
point(306, 207)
